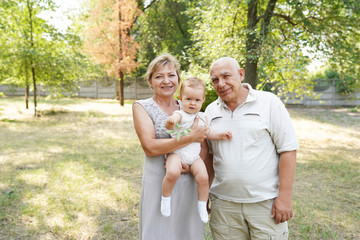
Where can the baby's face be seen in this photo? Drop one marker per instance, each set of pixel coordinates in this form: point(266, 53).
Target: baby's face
point(192, 99)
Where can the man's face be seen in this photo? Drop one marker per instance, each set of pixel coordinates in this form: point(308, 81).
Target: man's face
point(226, 79)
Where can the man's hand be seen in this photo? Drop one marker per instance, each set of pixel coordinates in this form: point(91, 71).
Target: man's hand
point(282, 209)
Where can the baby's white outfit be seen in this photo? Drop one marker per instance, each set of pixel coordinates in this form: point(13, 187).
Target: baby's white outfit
point(191, 152)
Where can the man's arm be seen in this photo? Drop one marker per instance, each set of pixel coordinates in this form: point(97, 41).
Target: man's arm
point(282, 209)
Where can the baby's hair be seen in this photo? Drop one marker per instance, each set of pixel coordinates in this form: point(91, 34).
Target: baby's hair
point(192, 82)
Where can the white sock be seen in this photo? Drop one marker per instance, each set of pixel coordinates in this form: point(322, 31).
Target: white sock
point(202, 211)
point(165, 206)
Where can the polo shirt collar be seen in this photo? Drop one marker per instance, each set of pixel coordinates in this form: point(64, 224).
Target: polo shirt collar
point(252, 94)
point(250, 98)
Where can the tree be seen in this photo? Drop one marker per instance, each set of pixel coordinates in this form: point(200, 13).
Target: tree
point(268, 37)
point(34, 52)
point(109, 39)
point(164, 27)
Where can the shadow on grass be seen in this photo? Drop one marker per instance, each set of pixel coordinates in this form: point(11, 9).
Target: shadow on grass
point(81, 181)
point(340, 117)
point(71, 198)
point(326, 195)
point(78, 176)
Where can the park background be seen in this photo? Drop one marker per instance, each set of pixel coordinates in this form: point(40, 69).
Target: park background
point(70, 161)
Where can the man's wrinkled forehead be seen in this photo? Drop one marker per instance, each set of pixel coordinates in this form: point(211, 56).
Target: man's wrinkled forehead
point(217, 74)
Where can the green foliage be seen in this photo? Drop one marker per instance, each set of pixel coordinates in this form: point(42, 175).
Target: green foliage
point(281, 63)
point(29, 41)
point(217, 31)
point(344, 84)
point(220, 28)
point(210, 95)
point(163, 27)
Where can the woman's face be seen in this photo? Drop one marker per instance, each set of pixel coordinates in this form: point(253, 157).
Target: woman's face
point(165, 81)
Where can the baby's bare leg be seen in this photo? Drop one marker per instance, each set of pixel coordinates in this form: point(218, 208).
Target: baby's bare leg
point(173, 171)
point(198, 170)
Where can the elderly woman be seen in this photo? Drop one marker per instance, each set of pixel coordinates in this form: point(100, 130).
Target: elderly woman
point(149, 120)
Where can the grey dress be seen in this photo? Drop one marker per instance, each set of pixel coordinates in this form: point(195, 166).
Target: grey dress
point(184, 222)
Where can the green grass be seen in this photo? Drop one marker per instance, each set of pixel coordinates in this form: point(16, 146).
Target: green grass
point(326, 190)
point(75, 172)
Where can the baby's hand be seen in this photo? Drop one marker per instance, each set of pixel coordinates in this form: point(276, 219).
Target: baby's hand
point(170, 123)
point(227, 136)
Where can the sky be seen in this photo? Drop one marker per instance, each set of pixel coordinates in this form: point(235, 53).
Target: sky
point(59, 17)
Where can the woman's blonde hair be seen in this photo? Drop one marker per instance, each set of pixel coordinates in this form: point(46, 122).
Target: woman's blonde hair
point(160, 61)
point(192, 82)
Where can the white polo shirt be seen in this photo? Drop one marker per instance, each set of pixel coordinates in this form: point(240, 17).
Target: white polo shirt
point(246, 168)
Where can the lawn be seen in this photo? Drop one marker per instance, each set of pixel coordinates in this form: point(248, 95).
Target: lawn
point(75, 172)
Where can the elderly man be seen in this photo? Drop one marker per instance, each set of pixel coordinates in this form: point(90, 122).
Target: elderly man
point(252, 175)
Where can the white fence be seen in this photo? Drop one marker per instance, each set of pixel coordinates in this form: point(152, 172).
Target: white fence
point(133, 89)
point(328, 95)
point(139, 89)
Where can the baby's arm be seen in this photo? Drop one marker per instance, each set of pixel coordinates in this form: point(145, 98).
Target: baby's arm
point(172, 121)
point(213, 135)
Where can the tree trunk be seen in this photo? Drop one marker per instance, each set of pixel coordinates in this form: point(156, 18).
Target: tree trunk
point(35, 90)
point(254, 39)
point(26, 84)
point(121, 74)
point(27, 95)
point(30, 8)
point(251, 72)
point(252, 45)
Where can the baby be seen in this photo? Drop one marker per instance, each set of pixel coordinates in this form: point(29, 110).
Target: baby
point(192, 96)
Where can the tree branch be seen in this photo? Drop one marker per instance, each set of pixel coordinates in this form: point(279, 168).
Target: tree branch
point(269, 12)
point(252, 14)
point(149, 5)
point(234, 21)
point(287, 18)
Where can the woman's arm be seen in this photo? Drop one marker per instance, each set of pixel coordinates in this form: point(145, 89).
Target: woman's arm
point(208, 160)
point(154, 147)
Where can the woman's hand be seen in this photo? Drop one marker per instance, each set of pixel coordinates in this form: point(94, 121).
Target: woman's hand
point(185, 168)
point(199, 133)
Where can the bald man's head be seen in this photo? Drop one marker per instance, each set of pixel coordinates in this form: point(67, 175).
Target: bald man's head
point(226, 60)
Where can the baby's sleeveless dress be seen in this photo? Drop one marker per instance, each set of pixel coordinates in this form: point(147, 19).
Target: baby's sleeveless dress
point(184, 222)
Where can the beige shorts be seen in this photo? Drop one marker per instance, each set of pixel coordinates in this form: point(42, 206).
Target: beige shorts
point(238, 221)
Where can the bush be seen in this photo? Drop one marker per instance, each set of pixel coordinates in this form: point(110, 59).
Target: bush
point(343, 84)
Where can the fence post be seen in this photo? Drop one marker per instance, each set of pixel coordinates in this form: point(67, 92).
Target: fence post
point(334, 92)
point(135, 87)
point(96, 89)
point(114, 89)
point(79, 89)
